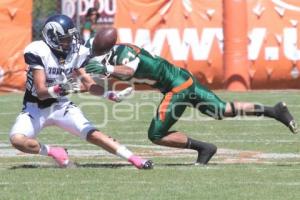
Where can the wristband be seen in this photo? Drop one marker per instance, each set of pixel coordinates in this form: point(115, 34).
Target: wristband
point(110, 69)
point(54, 91)
point(111, 95)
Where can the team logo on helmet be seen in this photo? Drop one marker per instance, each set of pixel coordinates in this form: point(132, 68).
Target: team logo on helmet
point(51, 33)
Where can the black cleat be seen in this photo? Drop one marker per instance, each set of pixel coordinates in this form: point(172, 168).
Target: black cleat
point(284, 116)
point(206, 154)
point(148, 164)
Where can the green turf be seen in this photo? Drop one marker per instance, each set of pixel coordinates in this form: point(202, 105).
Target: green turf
point(104, 176)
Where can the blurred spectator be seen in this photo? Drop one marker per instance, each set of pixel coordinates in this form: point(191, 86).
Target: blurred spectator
point(90, 24)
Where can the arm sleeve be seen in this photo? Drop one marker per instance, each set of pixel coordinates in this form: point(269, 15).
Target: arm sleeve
point(34, 61)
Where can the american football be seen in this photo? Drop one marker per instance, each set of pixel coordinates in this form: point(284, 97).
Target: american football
point(105, 39)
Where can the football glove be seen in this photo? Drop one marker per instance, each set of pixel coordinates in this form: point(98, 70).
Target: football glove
point(94, 67)
point(64, 89)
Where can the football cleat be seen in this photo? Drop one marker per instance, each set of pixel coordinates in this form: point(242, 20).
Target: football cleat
point(284, 116)
point(60, 156)
point(205, 155)
point(148, 164)
point(140, 163)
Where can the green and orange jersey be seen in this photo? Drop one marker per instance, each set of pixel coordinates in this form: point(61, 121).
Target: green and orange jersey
point(149, 69)
point(179, 87)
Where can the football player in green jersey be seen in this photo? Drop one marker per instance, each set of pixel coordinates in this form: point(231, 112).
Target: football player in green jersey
point(180, 89)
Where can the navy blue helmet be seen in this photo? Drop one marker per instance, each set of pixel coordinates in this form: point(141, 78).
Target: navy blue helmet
point(60, 33)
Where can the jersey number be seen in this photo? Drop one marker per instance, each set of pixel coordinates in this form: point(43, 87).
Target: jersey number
point(129, 58)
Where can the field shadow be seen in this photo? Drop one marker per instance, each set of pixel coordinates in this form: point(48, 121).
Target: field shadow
point(102, 165)
point(287, 164)
point(32, 166)
point(72, 165)
point(122, 165)
point(175, 164)
point(95, 165)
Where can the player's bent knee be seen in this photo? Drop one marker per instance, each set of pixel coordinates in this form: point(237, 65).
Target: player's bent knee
point(92, 134)
point(18, 140)
point(154, 136)
point(96, 136)
point(157, 130)
point(152, 139)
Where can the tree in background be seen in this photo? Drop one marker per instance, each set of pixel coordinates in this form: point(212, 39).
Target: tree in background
point(42, 9)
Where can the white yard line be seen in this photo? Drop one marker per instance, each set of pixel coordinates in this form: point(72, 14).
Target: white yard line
point(8, 113)
point(226, 156)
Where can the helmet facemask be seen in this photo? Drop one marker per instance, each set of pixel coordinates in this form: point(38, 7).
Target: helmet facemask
point(69, 42)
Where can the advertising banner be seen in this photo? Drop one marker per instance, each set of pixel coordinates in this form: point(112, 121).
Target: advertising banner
point(15, 23)
point(189, 33)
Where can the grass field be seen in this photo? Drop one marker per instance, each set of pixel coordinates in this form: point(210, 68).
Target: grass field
point(257, 158)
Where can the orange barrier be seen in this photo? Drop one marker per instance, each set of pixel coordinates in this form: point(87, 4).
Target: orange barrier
point(15, 23)
point(274, 43)
point(172, 29)
point(189, 34)
point(236, 64)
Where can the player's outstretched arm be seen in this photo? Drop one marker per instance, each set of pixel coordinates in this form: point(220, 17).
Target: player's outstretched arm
point(88, 83)
point(94, 66)
point(98, 90)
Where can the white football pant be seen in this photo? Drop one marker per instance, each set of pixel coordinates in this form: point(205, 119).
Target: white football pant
point(62, 114)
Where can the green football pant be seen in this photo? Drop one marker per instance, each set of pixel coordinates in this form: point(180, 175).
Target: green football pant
point(173, 104)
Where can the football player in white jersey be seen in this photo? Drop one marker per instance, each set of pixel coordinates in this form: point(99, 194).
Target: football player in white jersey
point(52, 61)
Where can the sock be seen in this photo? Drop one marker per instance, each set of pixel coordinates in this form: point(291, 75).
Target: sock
point(44, 149)
point(205, 150)
point(264, 110)
point(123, 152)
point(196, 145)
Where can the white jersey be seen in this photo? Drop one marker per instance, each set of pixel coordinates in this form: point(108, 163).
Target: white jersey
point(38, 55)
point(37, 114)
